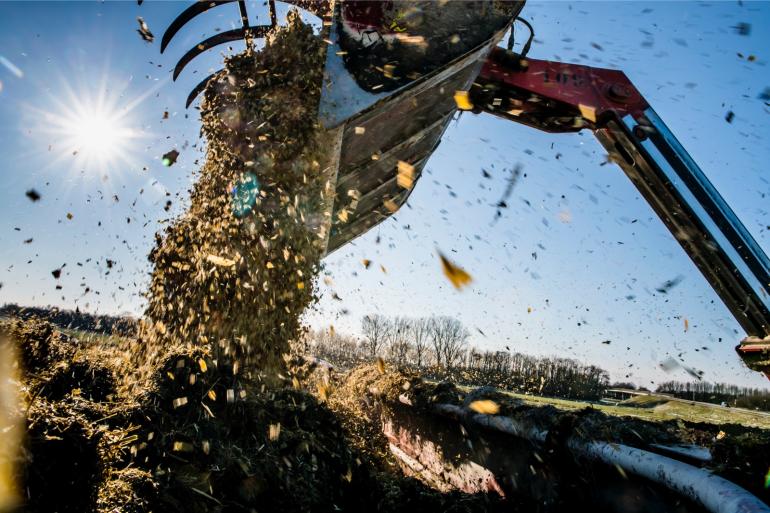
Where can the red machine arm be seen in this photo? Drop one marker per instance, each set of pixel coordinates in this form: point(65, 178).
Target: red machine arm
point(560, 97)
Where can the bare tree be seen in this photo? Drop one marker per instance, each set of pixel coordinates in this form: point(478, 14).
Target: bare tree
point(448, 337)
point(398, 339)
point(375, 329)
point(420, 331)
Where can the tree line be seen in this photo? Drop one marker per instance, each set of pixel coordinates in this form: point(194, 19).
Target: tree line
point(439, 348)
point(74, 319)
point(717, 393)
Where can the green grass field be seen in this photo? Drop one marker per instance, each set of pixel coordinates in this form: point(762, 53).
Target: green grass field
point(658, 408)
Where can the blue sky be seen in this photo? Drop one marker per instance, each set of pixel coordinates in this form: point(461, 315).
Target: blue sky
point(585, 254)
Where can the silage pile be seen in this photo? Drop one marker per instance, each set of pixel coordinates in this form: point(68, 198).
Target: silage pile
point(189, 441)
point(235, 273)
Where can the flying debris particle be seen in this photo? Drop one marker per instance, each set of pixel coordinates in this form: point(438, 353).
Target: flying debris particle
point(456, 275)
point(169, 159)
point(391, 205)
point(588, 112)
point(743, 28)
point(144, 30)
point(765, 95)
point(28, 241)
point(721, 435)
point(607, 342)
point(33, 195)
point(182, 447)
point(360, 130)
point(56, 273)
point(70, 216)
point(179, 401)
point(366, 263)
point(729, 116)
point(670, 284)
point(323, 391)
point(463, 101)
point(670, 365)
point(221, 261)
point(165, 114)
point(485, 406)
point(274, 431)
point(512, 180)
point(380, 365)
point(686, 325)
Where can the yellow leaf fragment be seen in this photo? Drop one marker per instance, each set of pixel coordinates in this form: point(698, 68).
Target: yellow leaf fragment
point(485, 406)
point(360, 130)
point(406, 175)
point(456, 275)
point(182, 447)
point(323, 391)
point(366, 263)
point(212, 395)
point(463, 101)
point(274, 431)
point(179, 401)
point(391, 205)
point(221, 261)
point(588, 112)
point(721, 435)
point(381, 365)
point(686, 324)
point(202, 364)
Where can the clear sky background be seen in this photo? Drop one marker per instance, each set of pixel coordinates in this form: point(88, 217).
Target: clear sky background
point(577, 246)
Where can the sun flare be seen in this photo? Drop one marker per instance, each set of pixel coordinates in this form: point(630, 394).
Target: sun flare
point(91, 127)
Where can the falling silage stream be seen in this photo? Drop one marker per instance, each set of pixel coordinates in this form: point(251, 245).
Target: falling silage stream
point(236, 271)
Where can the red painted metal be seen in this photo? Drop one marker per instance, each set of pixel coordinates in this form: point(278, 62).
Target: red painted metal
point(548, 94)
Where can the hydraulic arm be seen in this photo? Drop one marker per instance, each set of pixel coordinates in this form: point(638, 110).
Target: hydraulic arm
point(560, 97)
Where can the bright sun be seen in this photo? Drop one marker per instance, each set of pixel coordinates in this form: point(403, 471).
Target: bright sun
point(89, 127)
point(98, 135)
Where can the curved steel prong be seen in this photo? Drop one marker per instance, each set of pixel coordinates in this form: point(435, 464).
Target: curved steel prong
point(197, 89)
point(191, 12)
point(222, 37)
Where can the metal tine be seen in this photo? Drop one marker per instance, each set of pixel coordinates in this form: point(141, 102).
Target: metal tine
point(273, 18)
point(191, 12)
point(198, 89)
point(218, 39)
